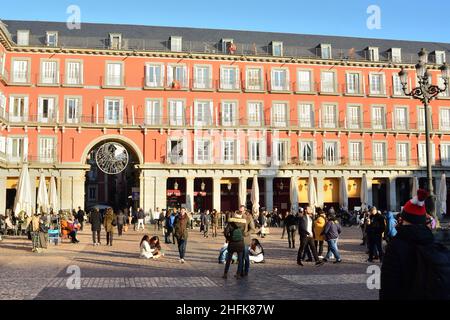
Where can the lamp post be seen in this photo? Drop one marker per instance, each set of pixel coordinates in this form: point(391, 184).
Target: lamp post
point(426, 92)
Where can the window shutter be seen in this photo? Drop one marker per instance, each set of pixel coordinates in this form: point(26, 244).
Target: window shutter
point(169, 151)
point(79, 108)
point(196, 151)
point(106, 106)
point(9, 147)
point(338, 152)
point(211, 113)
point(263, 151)
point(222, 152)
point(169, 75)
point(433, 154)
point(25, 108)
point(121, 111)
point(314, 152)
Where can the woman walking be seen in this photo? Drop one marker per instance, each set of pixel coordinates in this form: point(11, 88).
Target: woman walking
point(181, 226)
point(331, 232)
point(291, 227)
point(319, 225)
point(110, 221)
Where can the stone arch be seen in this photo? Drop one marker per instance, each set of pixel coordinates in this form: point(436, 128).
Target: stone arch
point(117, 138)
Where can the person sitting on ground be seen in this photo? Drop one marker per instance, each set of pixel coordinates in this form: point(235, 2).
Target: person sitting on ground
point(256, 252)
point(155, 245)
point(146, 250)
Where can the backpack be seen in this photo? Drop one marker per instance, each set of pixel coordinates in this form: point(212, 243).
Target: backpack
point(432, 278)
point(234, 234)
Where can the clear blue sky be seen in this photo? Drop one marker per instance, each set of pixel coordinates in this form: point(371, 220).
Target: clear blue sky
point(327, 17)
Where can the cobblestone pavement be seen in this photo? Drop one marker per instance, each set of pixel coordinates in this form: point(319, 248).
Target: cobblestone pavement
point(117, 273)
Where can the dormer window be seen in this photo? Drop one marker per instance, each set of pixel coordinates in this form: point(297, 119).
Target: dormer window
point(52, 39)
point(439, 57)
point(228, 46)
point(176, 44)
point(325, 51)
point(277, 48)
point(373, 54)
point(23, 37)
point(396, 54)
point(115, 41)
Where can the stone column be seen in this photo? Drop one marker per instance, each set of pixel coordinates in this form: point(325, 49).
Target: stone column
point(269, 193)
point(161, 192)
point(72, 189)
point(392, 194)
point(190, 194)
point(243, 189)
point(3, 179)
point(216, 194)
point(78, 180)
point(369, 191)
point(319, 191)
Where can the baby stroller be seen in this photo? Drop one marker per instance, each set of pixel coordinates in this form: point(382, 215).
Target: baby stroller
point(54, 231)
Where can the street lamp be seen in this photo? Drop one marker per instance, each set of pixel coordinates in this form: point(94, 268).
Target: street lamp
point(426, 92)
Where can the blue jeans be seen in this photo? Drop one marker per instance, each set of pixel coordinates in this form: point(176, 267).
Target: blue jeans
point(332, 248)
point(246, 259)
point(182, 247)
point(228, 262)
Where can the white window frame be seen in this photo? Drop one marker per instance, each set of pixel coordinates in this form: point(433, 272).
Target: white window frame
point(444, 121)
point(228, 106)
point(176, 44)
point(178, 72)
point(445, 154)
point(254, 83)
point(421, 118)
point(302, 144)
point(48, 41)
point(255, 146)
point(275, 45)
point(440, 57)
point(23, 75)
point(377, 160)
point(373, 54)
point(302, 86)
point(326, 117)
point(350, 123)
point(73, 117)
point(440, 83)
point(277, 159)
point(326, 51)
point(233, 145)
point(400, 161)
point(400, 124)
point(112, 120)
point(397, 86)
point(21, 151)
point(337, 153)
point(325, 84)
point(382, 84)
point(305, 118)
point(207, 111)
point(153, 112)
point(422, 154)
point(375, 124)
point(74, 75)
point(112, 41)
point(177, 112)
point(50, 116)
point(258, 118)
point(48, 155)
point(353, 84)
point(151, 78)
point(280, 79)
point(23, 37)
point(21, 116)
point(114, 80)
point(279, 119)
point(355, 161)
point(176, 158)
point(49, 72)
point(209, 155)
point(226, 78)
point(200, 81)
point(224, 44)
point(396, 55)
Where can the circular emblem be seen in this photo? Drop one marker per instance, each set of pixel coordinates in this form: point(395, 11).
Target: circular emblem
point(112, 158)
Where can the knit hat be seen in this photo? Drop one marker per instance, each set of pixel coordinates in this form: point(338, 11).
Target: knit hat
point(414, 210)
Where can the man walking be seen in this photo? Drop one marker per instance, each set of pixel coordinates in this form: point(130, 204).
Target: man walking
point(80, 218)
point(181, 227)
point(140, 217)
point(96, 226)
point(155, 218)
point(307, 238)
point(376, 225)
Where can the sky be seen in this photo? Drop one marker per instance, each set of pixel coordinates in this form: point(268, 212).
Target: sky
point(397, 19)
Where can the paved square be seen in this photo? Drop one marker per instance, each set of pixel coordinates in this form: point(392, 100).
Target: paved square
point(117, 272)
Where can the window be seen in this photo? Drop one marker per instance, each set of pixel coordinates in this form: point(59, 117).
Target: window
point(52, 39)
point(154, 75)
point(203, 151)
point(203, 113)
point(304, 79)
point(18, 109)
point(153, 112)
point(401, 118)
point(397, 85)
point(378, 117)
point(331, 153)
point(353, 83)
point(328, 83)
point(307, 152)
point(17, 148)
point(73, 111)
point(354, 117)
point(176, 152)
point(229, 78)
point(280, 152)
point(440, 57)
point(113, 111)
point(445, 154)
point(280, 80)
point(277, 48)
point(422, 154)
point(254, 79)
point(355, 153)
point(114, 74)
point(325, 51)
point(2, 105)
point(49, 72)
point(402, 154)
point(329, 115)
point(376, 83)
point(226, 45)
point(176, 44)
point(92, 193)
point(23, 37)
point(230, 151)
point(46, 150)
point(379, 153)
point(20, 71)
point(177, 75)
point(47, 110)
point(255, 151)
point(115, 41)
point(279, 115)
point(229, 113)
point(373, 54)
point(445, 119)
point(306, 115)
point(176, 112)
point(396, 54)
point(202, 77)
point(421, 118)
point(254, 113)
point(74, 73)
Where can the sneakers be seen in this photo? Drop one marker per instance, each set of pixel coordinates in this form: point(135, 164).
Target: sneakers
point(337, 261)
point(182, 261)
point(320, 257)
point(319, 263)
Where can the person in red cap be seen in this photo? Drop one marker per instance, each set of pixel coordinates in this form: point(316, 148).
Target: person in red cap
point(399, 266)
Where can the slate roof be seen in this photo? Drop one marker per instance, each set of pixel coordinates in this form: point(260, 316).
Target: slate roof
point(156, 38)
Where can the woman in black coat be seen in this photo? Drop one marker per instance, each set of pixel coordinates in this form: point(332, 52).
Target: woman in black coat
point(96, 226)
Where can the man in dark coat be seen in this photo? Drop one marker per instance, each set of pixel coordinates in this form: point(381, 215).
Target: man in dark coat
point(376, 225)
point(80, 217)
point(400, 261)
point(307, 238)
point(96, 226)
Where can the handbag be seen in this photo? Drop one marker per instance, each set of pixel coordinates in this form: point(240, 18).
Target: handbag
point(125, 228)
